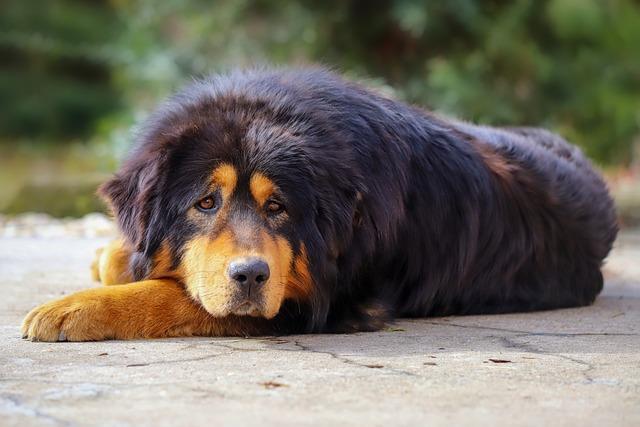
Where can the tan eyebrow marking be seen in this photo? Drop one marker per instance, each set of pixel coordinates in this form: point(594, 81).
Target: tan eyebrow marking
point(261, 188)
point(226, 177)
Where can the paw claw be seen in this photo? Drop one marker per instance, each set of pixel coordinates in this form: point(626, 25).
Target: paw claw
point(66, 319)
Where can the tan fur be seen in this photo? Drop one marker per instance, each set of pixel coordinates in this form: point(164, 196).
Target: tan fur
point(204, 269)
point(162, 265)
point(496, 164)
point(278, 254)
point(261, 188)
point(147, 309)
point(196, 298)
point(203, 266)
point(111, 266)
point(299, 284)
point(225, 177)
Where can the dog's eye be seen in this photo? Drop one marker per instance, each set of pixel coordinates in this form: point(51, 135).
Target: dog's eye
point(207, 204)
point(273, 207)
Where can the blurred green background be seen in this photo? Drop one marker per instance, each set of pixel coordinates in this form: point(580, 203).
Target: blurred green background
point(76, 75)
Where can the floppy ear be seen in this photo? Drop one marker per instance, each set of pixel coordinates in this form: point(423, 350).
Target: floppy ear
point(133, 196)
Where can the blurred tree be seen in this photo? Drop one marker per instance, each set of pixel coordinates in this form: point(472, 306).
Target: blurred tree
point(570, 65)
point(55, 76)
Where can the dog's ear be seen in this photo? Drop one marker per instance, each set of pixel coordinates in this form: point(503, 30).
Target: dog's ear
point(133, 196)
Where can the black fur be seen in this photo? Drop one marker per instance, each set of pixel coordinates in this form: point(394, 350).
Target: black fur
point(402, 213)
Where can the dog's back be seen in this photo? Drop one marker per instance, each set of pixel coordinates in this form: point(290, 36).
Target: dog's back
point(557, 207)
point(580, 191)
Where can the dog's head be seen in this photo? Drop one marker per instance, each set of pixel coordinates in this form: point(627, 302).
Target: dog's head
point(245, 188)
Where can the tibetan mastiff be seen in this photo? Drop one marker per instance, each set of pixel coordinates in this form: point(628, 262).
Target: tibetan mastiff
point(290, 200)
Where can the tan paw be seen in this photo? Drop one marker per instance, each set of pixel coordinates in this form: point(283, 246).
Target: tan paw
point(111, 264)
point(66, 319)
point(95, 265)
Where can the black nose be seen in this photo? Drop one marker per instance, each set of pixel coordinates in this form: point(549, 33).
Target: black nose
point(249, 271)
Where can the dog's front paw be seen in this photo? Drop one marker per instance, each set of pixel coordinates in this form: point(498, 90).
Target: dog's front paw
point(66, 319)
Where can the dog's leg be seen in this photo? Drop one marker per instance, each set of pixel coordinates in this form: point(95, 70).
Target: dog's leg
point(111, 265)
point(147, 309)
point(368, 317)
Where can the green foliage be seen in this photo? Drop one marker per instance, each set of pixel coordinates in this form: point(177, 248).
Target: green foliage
point(54, 79)
point(57, 200)
point(80, 68)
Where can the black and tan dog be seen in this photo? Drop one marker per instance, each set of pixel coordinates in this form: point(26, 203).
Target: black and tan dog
point(287, 201)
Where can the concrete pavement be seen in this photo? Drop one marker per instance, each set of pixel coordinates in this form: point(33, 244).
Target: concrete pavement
point(566, 367)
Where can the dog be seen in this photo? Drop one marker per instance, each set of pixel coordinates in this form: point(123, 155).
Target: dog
point(281, 201)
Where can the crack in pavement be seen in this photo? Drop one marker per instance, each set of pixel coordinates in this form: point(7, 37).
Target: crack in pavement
point(232, 349)
point(305, 348)
point(160, 362)
point(533, 333)
point(352, 362)
point(528, 348)
point(348, 361)
point(164, 362)
point(509, 342)
point(300, 346)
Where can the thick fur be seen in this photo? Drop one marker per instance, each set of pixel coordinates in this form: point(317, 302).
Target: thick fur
point(393, 211)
